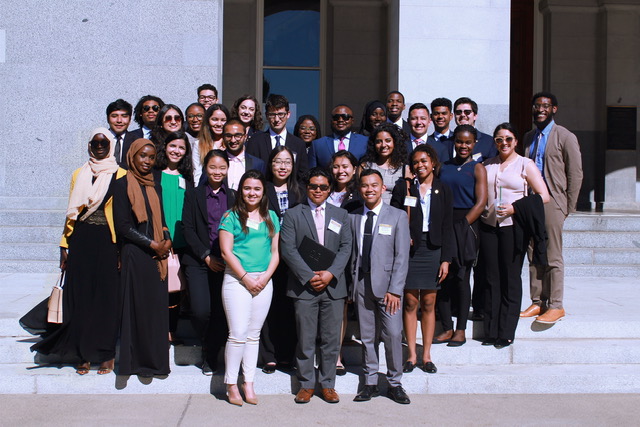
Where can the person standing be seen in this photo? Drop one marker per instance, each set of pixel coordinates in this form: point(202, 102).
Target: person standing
point(318, 295)
point(556, 153)
point(119, 118)
point(379, 265)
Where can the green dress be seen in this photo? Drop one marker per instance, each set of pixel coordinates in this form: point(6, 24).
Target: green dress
point(173, 189)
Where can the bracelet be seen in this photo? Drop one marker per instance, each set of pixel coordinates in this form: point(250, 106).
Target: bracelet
point(245, 273)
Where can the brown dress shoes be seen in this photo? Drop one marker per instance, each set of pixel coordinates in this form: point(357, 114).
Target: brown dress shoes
point(551, 316)
point(304, 395)
point(330, 395)
point(533, 310)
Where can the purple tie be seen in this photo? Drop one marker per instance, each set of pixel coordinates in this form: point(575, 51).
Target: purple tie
point(341, 145)
point(317, 218)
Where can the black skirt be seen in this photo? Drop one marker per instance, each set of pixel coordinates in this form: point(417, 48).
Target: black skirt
point(424, 266)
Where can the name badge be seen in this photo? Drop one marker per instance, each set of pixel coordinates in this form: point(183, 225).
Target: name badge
point(182, 183)
point(253, 224)
point(384, 229)
point(335, 226)
point(410, 201)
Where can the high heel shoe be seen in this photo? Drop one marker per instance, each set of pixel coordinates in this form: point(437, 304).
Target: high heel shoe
point(233, 395)
point(249, 395)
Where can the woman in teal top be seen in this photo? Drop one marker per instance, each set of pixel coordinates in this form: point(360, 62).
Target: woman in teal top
point(174, 171)
point(249, 244)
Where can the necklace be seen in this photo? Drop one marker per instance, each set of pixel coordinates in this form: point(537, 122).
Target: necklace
point(465, 162)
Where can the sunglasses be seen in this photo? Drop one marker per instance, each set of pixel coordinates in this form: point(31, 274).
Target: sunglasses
point(344, 117)
point(146, 108)
point(322, 187)
point(176, 119)
point(499, 140)
point(466, 112)
point(95, 143)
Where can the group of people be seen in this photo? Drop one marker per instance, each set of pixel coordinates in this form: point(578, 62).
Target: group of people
point(273, 233)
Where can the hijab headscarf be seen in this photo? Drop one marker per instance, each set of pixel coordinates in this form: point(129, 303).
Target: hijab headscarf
point(89, 193)
point(371, 106)
point(135, 178)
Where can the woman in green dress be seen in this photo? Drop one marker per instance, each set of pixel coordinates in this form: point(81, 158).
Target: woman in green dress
point(174, 173)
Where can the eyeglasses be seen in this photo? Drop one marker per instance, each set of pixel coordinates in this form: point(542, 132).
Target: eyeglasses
point(500, 140)
point(466, 112)
point(176, 119)
point(286, 163)
point(95, 143)
point(233, 135)
point(280, 115)
point(310, 129)
point(542, 106)
point(146, 108)
point(344, 117)
point(195, 116)
point(209, 97)
point(322, 187)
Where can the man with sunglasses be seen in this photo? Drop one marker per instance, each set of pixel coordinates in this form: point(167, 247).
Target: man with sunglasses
point(119, 117)
point(234, 136)
point(556, 153)
point(319, 296)
point(261, 143)
point(465, 111)
point(323, 148)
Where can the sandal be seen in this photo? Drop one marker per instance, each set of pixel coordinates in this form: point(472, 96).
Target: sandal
point(106, 367)
point(83, 368)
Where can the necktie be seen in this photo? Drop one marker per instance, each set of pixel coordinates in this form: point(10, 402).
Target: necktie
point(278, 140)
point(116, 151)
point(534, 149)
point(443, 138)
point(319, 220)
point(417, 141)
point(341, 145)
point(367, 239)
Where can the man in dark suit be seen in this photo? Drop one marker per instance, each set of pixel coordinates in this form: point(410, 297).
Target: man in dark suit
point(319, 296)
point(556, 153)
point(441, 115)
point(323, 148)
point(419, 120)
point(261, 143)
point(395, 106)
point(144, 113)
point(465, 111)
point(119, 117)
point(234, 135)
point(378, 269)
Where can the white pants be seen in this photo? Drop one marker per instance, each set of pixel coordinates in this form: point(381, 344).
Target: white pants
point(245, 315)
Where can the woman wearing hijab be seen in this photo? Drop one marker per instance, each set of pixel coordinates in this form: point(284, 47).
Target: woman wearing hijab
point(145, 240)
point(89, 258)
point(375, 113)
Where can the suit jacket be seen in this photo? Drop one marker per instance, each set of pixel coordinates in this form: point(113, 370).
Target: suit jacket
point(389, 252)
point(440, 216)
point(127, 140)
point(195, 219)
point(322, 149)
point(274, 205)
point(298, 223)
point(443, 149)
point(485, 147)
point(562, 166)
point(260, 146)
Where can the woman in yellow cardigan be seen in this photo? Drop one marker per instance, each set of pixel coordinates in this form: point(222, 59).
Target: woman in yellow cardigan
point(89, 257)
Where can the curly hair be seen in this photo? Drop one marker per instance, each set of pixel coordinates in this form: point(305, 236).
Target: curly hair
point(257, 122)
point(399, 153)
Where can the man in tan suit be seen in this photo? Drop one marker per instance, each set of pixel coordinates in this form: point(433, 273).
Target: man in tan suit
point(556, 152)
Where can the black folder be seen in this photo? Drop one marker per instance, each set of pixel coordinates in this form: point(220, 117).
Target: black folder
point(316, 256)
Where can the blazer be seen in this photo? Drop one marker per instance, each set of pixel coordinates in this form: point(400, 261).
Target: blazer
point(260, 146)
point(485, 147)
point(389, 252)
point(298, 223)
point(562, 166)
point(443, 149)
point(321, 149)
point(274, 205)
point(129, 138)
point(440, 216)
point(69, 224)
point(195, 219)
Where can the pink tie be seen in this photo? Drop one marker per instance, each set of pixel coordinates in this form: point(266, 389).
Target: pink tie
point(317, 218)
point(417, 141)
point(341, 145)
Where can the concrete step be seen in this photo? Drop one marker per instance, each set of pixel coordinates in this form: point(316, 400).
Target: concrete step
point(602, 271)
point(29, 266)
point(41, 217)
point(28, 203)
point(601, 239)
point(32, 251)
point(602, 222)
point(30, 234)
point(601, 256)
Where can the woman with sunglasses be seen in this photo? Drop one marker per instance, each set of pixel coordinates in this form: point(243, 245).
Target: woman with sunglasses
point(249, 242)
point(89, 258)
point(509, 178)
point(169, 119)
point(210, 137)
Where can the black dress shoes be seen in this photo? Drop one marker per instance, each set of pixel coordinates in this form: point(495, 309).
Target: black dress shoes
point(269, 368)
point(398, 395)
point(408, 367)
point(367, 392)
point(429, 368)
point(502, 343)
point(489, 341)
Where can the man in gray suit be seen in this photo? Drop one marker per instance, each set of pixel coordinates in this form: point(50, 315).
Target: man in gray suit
point(379, 265)
point(319, 296)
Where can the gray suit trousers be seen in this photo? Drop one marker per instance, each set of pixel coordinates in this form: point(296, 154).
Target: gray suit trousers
point(376, 322)
point(327, 313)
